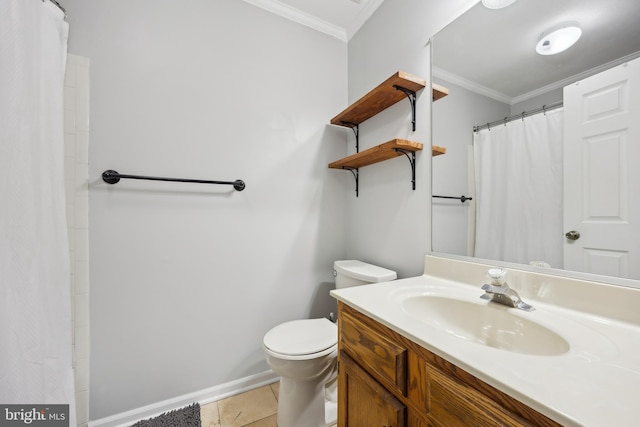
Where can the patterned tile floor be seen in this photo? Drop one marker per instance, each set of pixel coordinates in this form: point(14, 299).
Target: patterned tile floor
point(254, 408)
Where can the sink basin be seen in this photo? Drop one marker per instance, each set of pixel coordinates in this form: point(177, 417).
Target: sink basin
point(489, 324)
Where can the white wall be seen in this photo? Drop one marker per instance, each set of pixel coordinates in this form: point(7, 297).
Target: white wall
point(186, 279)
point(389, 224)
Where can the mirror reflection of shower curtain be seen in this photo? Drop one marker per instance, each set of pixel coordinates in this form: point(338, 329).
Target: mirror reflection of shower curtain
point(35, 287)
point(518, 170)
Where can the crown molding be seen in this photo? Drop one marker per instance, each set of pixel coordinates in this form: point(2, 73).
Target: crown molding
point(468, 84)
point(363, 16)
point(303, 18)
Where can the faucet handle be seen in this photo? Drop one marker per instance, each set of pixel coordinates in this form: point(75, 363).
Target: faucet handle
point(497, 276)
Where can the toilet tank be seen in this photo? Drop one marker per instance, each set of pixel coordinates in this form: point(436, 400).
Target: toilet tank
point(354, 273)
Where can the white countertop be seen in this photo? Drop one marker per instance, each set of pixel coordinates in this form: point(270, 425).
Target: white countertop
point(595, 383)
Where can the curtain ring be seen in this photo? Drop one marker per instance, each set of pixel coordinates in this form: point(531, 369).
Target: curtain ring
point(505, 120)
point(544, 109)
point(489, 126)
point(523, 114)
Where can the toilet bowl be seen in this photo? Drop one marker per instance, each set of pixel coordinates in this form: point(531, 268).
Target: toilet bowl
point(304, 354)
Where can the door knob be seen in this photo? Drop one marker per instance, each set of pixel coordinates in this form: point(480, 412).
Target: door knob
point(572, 235)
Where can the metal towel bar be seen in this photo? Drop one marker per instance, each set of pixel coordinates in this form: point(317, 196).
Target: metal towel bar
point(461, 198)
point(113, 177)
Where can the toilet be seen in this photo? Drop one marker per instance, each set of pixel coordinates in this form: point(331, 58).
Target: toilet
point(304, 354)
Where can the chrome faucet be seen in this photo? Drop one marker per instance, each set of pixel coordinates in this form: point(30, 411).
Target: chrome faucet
point(498, 291)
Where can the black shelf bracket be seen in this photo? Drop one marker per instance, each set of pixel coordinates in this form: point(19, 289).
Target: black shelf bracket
point(356, 130)
point(412, 160)
point(412, 99)
point(356, 175)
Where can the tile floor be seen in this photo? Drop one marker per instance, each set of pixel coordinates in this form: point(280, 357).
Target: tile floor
point(254, 408)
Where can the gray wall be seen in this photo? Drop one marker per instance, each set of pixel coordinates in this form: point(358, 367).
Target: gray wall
point(454, 117)
point(390, 224)
point(186, 279)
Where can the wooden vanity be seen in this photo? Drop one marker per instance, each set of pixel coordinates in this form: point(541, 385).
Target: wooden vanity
point(388, 380)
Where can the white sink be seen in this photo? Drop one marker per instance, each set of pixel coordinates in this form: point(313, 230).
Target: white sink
point(489, 324)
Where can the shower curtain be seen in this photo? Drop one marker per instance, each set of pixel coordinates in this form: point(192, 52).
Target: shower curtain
point(35, 294)
point(519, 190)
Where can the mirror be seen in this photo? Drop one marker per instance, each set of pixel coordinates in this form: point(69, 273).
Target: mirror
point(487, 60)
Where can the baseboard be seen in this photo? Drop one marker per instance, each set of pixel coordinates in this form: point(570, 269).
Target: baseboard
point(203, 397)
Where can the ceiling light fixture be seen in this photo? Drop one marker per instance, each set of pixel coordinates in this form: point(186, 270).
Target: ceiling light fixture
point(558, 39)
point(497, 4)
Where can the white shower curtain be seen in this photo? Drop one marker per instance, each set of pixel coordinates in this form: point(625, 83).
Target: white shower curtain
point(35, 294)
point(519, 190)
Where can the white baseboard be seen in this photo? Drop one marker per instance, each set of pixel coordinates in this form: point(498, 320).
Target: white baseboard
point(203, 397)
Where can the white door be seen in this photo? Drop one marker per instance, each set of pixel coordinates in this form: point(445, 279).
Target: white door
point(602, 173)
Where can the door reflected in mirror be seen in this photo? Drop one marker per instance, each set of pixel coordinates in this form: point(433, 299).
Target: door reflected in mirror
point(540, 147)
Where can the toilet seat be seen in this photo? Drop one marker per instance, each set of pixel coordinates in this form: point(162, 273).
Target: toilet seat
point(302, 339)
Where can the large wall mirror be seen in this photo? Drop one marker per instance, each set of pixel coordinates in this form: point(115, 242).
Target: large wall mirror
point(541, 168)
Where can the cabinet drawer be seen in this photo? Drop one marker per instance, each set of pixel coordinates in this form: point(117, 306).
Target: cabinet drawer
point(452, 404)
point(384, 358)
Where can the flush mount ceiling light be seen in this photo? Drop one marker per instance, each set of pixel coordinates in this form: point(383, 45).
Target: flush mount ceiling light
point(558, 39)
point(497, 4)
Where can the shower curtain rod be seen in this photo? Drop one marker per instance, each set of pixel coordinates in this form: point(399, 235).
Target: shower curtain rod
point(59, 7)
point(522, 115)
point(113, 177)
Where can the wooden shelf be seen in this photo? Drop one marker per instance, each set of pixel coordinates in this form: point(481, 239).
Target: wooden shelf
point(397, 87)
point(376, 154)
point(383, 97)
point(439, 92)
point(436, 151)
point(379, 99)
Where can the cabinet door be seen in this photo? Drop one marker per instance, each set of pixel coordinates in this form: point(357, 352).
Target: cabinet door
point(363, 402)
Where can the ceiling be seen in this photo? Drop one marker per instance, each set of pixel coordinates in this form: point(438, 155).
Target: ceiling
point(495, 49)
point(338, 18)
point(492, 51)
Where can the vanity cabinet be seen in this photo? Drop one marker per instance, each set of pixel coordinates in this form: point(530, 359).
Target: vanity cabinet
point(388, 380)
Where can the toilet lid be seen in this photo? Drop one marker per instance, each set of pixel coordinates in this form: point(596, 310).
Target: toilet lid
point(299, 337)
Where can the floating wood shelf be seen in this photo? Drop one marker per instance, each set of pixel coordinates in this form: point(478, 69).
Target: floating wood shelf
point(389, 92)
point(436, 151)
point(379, 99)
point(438, 92)
point(376, 154)
point(383, 97)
